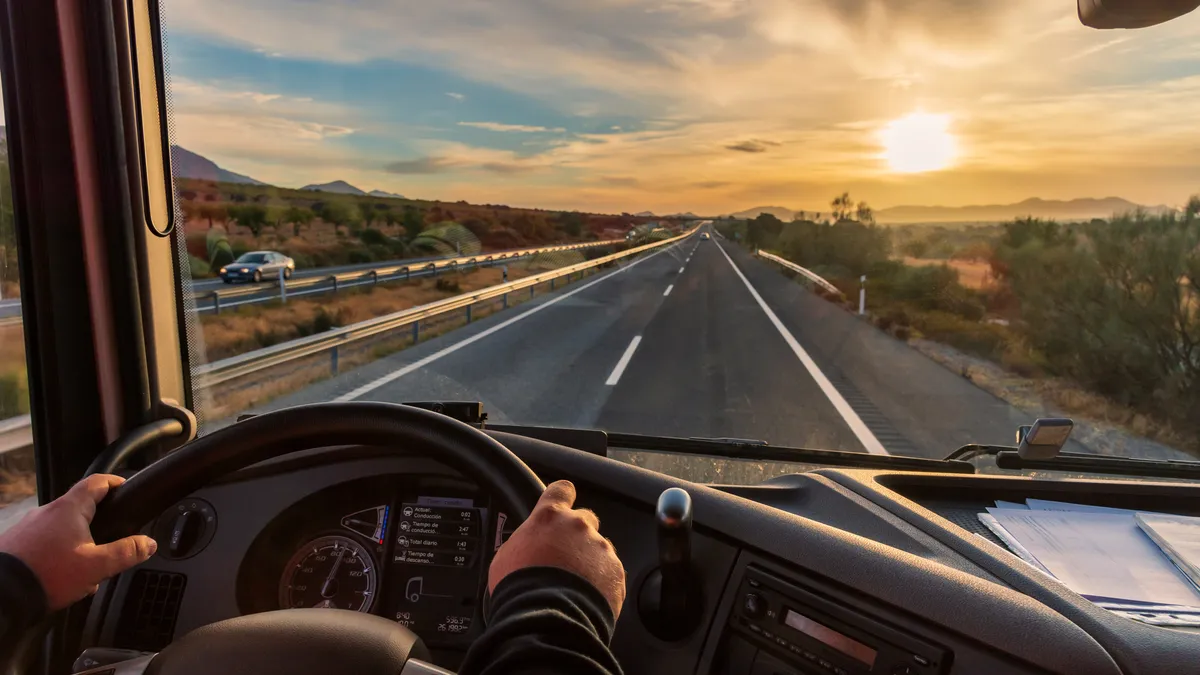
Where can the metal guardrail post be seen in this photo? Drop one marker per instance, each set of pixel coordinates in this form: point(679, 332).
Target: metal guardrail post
point(551, 284)
point(374, 277)
point(506, 301)
point(333, 278)
point(216, 302)
point(333, 360)
point(434, 267)
point(407, 273)
point(531, 292)
point(416, 332)
point(468, 313)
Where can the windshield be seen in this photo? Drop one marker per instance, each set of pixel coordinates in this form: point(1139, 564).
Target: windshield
point(253, 258)
point(881, 228)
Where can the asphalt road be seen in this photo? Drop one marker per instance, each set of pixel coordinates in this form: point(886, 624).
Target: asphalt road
point(710, 357)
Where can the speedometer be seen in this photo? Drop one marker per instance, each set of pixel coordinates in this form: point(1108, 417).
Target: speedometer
point(333, 572)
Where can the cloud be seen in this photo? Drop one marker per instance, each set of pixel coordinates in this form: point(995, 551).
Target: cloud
point(712, 184)
point(456, 96)
point(752, 145)
point(506, 167)
point(421, 165)
point(522, 128)
point(619, 181)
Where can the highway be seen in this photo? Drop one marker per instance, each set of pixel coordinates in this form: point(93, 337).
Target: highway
point(697, 339)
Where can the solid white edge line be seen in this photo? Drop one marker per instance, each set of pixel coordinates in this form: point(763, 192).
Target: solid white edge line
point(446, 351)
point(668, 291)
point(868, 440)
point(615, 377)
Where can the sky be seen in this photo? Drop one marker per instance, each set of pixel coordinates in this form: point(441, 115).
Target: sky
point(709, 106)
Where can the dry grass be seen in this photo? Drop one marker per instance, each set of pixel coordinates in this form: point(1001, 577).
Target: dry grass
point(16, 485)
point(252, 327)
point(12, 349)
point(975, 274)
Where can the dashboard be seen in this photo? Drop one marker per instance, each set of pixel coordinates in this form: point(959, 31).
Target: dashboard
point(834, 571)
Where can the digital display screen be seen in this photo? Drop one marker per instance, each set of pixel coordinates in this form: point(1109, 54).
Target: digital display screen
point(830, 637)
point(434, 568)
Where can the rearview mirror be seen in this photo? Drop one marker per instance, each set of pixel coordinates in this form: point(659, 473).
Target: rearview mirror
point(1132, 13)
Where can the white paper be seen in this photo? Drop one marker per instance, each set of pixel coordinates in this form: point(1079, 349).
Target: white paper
point(1099, 555)
point(1047, 505)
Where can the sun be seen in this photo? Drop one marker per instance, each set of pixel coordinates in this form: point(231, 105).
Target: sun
point(918, 142)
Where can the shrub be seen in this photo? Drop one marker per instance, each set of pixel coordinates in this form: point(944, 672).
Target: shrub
point(358, 255)
point(371, 236)
point(447, 285)
point(14, 394)
point(198, 267)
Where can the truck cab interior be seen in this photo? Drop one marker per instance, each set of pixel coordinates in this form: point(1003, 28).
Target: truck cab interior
point(849, 563)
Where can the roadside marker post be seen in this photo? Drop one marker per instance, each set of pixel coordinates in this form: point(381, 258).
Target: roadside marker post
point(862, 295)
point(282, 287)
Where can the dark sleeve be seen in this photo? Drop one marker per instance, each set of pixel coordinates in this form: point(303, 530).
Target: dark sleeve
point(544, 620)
point(22, 601)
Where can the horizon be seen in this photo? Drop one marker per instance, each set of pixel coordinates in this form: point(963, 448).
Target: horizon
point(672, 106)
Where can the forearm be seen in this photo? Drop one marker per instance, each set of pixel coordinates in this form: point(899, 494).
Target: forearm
point(22, 600)
point(544, 620)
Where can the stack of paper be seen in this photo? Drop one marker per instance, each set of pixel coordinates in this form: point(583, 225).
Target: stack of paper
point(1106, 555)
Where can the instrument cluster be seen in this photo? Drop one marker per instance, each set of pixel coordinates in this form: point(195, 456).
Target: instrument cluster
point(412, 549)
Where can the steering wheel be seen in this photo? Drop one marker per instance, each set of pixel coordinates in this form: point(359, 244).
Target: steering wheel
point(316, 641)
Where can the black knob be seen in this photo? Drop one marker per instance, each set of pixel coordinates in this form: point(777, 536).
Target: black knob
point(754, 606)
point(673, 516)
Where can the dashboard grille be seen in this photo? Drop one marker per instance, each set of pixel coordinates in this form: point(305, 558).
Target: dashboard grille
point(965, 516)
point(147, 620)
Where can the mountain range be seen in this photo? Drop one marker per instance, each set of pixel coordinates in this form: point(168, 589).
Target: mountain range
point(187, 164)
point(1072, 209)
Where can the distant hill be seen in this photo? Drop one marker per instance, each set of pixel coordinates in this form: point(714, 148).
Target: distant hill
point(1074, 209)
point(779, 212)
point(645, 214)
point(689, 214)
point(338, 186)
point(188, 164)
point(388, 195)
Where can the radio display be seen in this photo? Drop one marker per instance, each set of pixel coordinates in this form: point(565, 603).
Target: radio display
point(830, 637)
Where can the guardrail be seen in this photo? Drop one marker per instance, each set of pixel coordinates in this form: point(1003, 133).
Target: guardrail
point(16, 433)
point(332, 341)
point(807, 274)
point(387, 272)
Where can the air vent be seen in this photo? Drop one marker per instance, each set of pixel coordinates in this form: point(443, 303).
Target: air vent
point(151, 606)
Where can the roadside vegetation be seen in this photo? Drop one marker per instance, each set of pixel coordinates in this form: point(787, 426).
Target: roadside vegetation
point(1104, 313)
point(318, 229)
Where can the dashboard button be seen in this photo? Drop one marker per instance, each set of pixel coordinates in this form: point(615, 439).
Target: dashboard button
point(921, 660)
point(754, 606)
point(754, 628)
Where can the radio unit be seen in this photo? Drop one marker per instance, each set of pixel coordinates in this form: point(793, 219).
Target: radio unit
point(795, 630)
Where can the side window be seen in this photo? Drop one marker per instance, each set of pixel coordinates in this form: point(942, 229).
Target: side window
point(17, 483)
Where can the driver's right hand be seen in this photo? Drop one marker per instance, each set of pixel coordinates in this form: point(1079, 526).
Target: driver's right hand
point(557, 535)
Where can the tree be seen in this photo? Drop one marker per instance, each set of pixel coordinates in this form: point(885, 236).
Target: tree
point(842, 206)
point(413, 222)
point(865, 214)
point(298, 216)
point(250, 216)
point(339, 213)
point(212, 212)
point(797, 216)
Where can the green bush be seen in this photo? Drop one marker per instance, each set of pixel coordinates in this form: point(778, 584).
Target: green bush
point(359, 255)
point(198, 267)
point(14, 394)
point(371, 236)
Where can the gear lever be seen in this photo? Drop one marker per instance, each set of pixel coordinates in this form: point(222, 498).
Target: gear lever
point(669, 600)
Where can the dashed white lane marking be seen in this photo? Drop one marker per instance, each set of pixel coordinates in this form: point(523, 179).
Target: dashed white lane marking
point(625, 358)
point(417, 365)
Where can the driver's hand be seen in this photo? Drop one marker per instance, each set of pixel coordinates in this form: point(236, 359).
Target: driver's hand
point(55, 541)
point(557, 535)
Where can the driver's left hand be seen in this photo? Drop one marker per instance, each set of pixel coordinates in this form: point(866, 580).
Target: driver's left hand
point(55, 542)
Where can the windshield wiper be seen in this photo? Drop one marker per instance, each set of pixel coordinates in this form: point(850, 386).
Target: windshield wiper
point(752, 449)
point(1007, 457)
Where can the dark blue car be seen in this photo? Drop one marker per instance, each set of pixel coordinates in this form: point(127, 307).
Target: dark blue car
point(258, 265)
